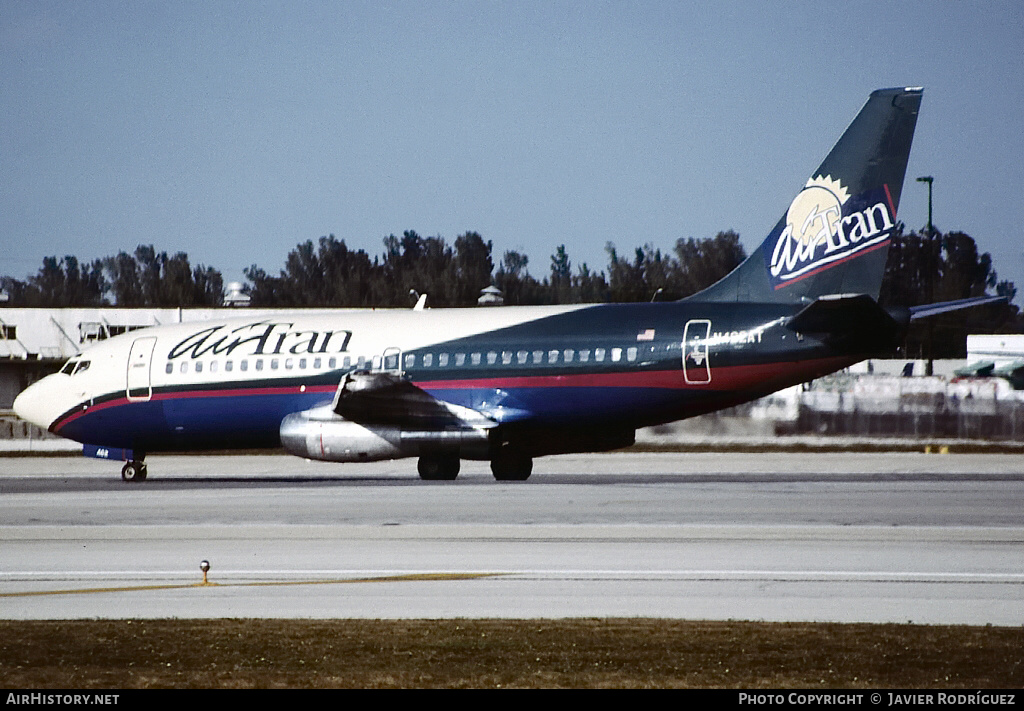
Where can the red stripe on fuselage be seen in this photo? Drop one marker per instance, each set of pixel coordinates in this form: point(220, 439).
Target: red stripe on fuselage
point(722, 378)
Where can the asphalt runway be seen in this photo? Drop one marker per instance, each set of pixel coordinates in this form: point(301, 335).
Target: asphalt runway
point(779, 536)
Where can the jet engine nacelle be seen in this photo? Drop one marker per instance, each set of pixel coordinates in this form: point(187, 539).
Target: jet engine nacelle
point(321, 434)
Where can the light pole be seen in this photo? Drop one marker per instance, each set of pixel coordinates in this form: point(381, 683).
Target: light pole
point(931, 267)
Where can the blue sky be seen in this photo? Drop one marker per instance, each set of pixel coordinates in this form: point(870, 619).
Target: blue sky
point(233, 131)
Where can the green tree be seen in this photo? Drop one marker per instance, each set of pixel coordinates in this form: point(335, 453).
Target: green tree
point(590, 287)
point(15, 290)
point(515, 282)
point(703, 262)
point(472, 267)
point(64, 282)
point(349, 276)
point(627, 280)
point(948, 267)
point(207, 286)
point(124, 280)
point(423, 265)
point(329, 274)
point(560, 284)
point(152, 278)
point(265, 290)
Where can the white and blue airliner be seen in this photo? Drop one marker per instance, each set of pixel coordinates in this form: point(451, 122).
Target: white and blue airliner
point(510, 384)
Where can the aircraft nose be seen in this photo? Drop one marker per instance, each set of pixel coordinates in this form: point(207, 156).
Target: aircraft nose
point(33, 404)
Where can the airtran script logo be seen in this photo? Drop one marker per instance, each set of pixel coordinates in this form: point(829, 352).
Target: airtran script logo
point(825, 226)
point(262, 338)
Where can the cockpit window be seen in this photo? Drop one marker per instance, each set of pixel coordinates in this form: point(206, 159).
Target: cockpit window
point(82, 366)
point(69, 367)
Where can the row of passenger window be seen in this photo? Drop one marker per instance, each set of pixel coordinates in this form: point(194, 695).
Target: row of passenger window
point(522, 357)
point(427, 360)
point(274, 364)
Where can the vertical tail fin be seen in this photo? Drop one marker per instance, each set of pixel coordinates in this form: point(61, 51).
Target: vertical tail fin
point(835, 236)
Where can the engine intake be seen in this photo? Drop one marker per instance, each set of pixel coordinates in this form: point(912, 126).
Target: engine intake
point(321, 434)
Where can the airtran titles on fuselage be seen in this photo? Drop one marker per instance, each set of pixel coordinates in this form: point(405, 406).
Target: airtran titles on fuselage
point(261, 338)
point(825, 226)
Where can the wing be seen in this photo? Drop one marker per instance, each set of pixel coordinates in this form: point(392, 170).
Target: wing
point(381, 415)
point(382, 398)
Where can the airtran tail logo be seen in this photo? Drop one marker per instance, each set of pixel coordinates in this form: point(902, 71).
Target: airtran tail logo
point(825, 226)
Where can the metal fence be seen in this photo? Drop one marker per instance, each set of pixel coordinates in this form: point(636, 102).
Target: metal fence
point(913, 407)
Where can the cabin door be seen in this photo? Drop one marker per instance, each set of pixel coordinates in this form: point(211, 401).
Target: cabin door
point(139, 386)
point(391, 361)
point(696, 365)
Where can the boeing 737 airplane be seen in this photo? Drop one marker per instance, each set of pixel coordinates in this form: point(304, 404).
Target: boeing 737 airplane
point(513, 383)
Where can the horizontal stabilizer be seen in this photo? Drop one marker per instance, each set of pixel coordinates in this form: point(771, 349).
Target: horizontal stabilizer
point(926, 310)
point(837, 313)
point(855, 321)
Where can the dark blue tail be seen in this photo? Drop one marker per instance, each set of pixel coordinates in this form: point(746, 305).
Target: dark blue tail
point(835, 236)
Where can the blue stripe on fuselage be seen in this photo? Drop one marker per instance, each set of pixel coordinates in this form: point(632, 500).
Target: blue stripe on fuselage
point(189, 420)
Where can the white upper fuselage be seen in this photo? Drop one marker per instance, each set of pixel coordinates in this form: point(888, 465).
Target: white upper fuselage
point(241, 349)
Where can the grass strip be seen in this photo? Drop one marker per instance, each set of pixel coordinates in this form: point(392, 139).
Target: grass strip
point(566, 653)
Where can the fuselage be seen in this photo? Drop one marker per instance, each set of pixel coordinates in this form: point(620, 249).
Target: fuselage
point(230, 383)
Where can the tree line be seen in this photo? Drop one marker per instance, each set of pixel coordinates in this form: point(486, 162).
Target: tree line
point(328, 273)
point(145, 278)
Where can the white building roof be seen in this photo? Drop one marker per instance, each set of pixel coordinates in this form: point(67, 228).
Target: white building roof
point(58, 334)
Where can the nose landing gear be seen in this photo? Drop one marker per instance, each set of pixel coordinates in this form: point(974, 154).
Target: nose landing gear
point(134, 470)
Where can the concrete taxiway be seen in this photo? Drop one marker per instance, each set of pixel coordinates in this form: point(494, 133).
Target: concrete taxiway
point(839, 537)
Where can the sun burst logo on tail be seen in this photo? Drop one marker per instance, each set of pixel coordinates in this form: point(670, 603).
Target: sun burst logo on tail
point(824, 226)
point(815, 211)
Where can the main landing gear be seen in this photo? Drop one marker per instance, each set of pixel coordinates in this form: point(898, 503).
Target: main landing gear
point(135, 470)
point(506, 466)
point(439, 467)
point(510, 466)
